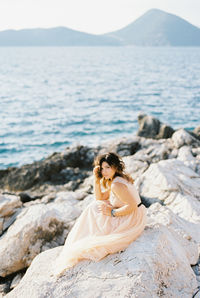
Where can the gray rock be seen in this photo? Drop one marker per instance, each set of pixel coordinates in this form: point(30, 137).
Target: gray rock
point(9, 220)
point(173, 153)
point(185, 155)
point(151, 127)
point(58, 168)
point(197, 132)
point(123, 146)
point(195, 151)
point(16, 280)
point(153, 153)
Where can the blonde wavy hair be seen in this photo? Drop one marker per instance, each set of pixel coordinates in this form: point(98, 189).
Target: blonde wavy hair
point(115, 161)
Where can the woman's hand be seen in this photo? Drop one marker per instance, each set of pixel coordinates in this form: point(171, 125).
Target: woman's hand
point(105, 208)
point(95, 172)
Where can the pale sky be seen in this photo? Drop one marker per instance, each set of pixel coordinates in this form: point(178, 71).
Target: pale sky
point(92, 16)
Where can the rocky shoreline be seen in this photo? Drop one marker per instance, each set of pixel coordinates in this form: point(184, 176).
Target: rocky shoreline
point(41, 201)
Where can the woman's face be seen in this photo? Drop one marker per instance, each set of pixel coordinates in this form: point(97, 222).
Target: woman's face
point(107, 171)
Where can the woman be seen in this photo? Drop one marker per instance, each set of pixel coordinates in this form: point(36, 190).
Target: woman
point(114, 219)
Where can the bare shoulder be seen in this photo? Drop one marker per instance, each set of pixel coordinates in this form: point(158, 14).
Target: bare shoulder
point(122, 184)
point(119, 181)
point(116, 186)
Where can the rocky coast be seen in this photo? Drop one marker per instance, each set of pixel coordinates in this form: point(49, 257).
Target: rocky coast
point(40, 202)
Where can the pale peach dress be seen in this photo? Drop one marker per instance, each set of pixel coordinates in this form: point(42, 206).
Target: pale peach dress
point(95, 235)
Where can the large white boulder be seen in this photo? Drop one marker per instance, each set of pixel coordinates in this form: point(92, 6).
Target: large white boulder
point(181, 137)
point(135, 166)
point(174, 184)
point(37, 228)
point(156, 264)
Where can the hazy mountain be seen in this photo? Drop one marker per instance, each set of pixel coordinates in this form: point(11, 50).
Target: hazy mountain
point(59, 36)
point(158, 28)
point(154, 28)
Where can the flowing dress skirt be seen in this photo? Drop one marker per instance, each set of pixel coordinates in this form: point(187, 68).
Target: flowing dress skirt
point(95, 235)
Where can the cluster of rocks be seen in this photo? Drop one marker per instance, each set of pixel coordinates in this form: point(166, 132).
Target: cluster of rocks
point(40, 202)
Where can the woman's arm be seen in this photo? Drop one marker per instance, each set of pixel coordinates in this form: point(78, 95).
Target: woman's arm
point(97, 186)
point(128, 197)
point(97, 191)
point(106, 195)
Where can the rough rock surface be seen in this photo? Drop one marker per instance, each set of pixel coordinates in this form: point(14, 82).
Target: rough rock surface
point(37, 228)
point(54, 169)
point(10, 207)
point(138, 271)
point(175, 184)
point(181, 137)
point(49, 195)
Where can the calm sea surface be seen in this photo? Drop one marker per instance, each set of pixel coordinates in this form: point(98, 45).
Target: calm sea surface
point(51, 97)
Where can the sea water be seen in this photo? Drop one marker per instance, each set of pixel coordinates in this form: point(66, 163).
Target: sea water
point(54, 97)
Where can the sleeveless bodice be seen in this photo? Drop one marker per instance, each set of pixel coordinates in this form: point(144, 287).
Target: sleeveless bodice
point(117, 202)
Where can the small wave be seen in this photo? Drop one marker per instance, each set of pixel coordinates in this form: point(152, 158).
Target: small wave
point(9, 150)
point(114, 131)
point(58, 144)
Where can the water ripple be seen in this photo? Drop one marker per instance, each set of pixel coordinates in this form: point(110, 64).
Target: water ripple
point(53, 97)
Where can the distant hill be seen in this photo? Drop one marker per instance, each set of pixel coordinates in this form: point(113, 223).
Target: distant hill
point(158, 28)
point(154, 28)
point(59, 36)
